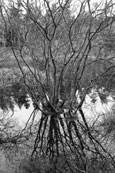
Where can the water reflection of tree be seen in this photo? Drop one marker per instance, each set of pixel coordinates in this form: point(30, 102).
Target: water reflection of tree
point(15, 94)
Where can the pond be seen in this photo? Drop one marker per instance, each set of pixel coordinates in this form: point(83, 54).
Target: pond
point(22, 114)
point(15, 100)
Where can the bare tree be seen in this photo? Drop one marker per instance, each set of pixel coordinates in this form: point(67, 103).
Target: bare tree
point(60, 51)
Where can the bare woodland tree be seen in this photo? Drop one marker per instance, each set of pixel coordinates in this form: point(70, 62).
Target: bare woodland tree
point(63, 52)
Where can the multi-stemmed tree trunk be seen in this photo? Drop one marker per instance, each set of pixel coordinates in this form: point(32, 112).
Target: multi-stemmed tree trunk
point(61, 50)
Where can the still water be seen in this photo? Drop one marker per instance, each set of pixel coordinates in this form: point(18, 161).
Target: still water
point(15, 100)
point(91, 110)
point(22, 115)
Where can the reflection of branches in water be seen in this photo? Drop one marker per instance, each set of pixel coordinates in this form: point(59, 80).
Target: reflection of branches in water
point(56, 137)
point(8, 129)
point(14, 94)
point(58, 134)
